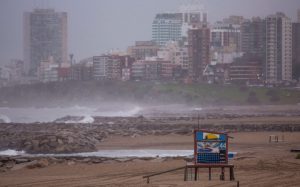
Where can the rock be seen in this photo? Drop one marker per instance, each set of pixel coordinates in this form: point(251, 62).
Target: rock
point(45, 148)
point(10, 164)
point(86, 160)
point(60, 141)
point(43, 163)
point(61, 149)
point(4, 159)
point(96, 161)
point(27, 143)
point(3, 169)
point(21, 160)
point(31, 165)
point(123, 159)
point(70, 140)
point(71, 163)
point(23, 165)
point(135, 135)
point(35, 143)
point(52, 138)
point(38, 164)
point(53, 144)
point(45, 141)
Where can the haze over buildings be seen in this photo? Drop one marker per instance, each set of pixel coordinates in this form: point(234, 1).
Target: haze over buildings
point(278, 48)
point(185, 47)
point(45, 36)
point(84, 15)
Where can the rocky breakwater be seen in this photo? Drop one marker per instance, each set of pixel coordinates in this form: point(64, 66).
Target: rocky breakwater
point(75, 138)
point(50, 138)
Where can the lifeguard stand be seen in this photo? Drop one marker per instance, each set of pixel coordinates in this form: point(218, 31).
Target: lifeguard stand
point(210, 151)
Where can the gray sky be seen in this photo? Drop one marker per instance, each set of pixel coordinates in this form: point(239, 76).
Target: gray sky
point(99, 25)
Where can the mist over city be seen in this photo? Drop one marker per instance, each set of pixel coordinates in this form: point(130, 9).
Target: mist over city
point(149, 93)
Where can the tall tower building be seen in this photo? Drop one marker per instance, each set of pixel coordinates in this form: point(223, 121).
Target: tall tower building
point(45, 35)
point(167, 27)
point(173, 26)
point(226, 37)
point(296, 51)
point(198, 51)
point(278, 48)
point(253, 33)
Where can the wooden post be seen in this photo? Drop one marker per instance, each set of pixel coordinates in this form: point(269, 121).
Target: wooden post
point(148, 180)
point(238, 183)
point(196, 174)
point(209, 173)
point(222, 177)
point(231, 174)
point(185, 173)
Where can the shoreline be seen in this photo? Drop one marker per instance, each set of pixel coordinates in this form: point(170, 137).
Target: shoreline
point(257, 162)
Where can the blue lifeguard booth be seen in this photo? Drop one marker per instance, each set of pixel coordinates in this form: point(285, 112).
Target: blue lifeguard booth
point(210, 151)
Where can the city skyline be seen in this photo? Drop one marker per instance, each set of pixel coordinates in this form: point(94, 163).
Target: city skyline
point(91, 34)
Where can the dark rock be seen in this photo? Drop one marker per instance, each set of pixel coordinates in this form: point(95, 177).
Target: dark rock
point(10, 164)
point(21, 160)
point(60, 141)
point(70, 140)
point(38, 164)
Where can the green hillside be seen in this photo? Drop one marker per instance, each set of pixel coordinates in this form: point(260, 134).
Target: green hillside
point(64, 93)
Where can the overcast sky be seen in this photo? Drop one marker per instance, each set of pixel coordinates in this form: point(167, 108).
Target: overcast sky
point(95, 26)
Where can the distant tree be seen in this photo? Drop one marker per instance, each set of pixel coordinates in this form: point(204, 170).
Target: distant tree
point(252, 98)
point(273, 94)
point(275, 98)
point(243, 88)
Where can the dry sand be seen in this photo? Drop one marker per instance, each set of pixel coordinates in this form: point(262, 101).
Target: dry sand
point(258, 163)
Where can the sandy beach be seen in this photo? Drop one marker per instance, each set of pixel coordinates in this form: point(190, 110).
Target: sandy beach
point(258, 163)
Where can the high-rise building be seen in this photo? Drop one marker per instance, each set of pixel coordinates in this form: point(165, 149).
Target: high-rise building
point(226, 37)
point(45, 35)
point(298, 15)
point(234, 20)
point(173, 26)
point(143, 49)
point(167, 27)
point(175, 53)
point(278, 49)
point(296, 51)
point(199, 51)
point(193, 13)
point(253, 38)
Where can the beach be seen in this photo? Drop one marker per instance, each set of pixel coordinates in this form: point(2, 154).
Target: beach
point(257, 163)
point(94, 154)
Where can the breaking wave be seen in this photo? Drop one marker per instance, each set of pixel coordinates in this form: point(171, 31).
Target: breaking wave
point(31, 115)
point(141, 153)
point(85, 119)
point(110, 153)
point(11, 152)
point(4, 119)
